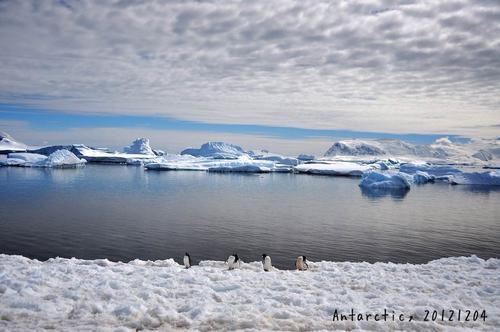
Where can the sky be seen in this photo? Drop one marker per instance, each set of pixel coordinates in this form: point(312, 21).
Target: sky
point(288, 76)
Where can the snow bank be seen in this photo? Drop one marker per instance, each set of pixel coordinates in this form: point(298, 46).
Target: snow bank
point(477, 178)
point(74, 294)
point(377, 180)
point(333, 168)
point(59, 158)
point(216, 150)
point(139, 146)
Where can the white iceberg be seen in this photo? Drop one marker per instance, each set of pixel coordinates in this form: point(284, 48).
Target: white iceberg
point(216, 150)
point(9, 144)
point(60, 158)
point(378, 180)
point(333, 168)
point(83, 295)
point(477, 178)
point(102, 156)
point(290, 161)
point(139, 146)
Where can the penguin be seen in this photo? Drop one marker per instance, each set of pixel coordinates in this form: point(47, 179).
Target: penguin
point(187, 261)
point(233, 261)
point(266, 262)
point(301, 264)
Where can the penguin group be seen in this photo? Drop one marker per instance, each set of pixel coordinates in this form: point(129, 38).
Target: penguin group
point(233, 262)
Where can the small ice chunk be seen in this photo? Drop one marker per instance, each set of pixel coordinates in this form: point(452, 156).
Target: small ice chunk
point(378, 180)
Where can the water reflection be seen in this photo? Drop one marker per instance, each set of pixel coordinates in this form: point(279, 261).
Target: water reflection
point(378, 193)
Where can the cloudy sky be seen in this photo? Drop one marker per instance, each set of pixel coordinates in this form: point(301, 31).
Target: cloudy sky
point(242, 69)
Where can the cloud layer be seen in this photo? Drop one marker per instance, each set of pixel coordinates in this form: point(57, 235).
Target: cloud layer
point(393, 66)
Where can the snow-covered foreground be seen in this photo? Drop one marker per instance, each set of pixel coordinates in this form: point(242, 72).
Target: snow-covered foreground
point(73, 294)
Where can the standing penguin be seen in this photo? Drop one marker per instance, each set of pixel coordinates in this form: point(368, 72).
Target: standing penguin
point(233, 261)
point(187, 261)
point(301, 264)
point(266, 262)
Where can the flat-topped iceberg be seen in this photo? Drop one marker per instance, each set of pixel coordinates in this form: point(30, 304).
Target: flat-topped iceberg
point(216, 150)
point(333, 168)
point(83, 295)
point(60, 158)
point(102, 156)
point(477, 178)
point(378, 180)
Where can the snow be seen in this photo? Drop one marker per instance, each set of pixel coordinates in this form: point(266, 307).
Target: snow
point(290, 161)
point(9, 144)
point(139, 146)
point(74, 294)
point(216, 150)
point(60, 158)
point(378, 180)
point(477, 178)
point(333, 168)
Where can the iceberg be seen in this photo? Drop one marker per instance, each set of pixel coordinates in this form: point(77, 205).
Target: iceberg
point(290, 161)
point(333, 168)
point(139, 146)
point(102, 156)
point(216, 150)
point(436, 170)
point(8, 144)
point(60, 159)
point(477, 178)
point(422, 177)
point(81, 295)
point(377, 180)
point(305, 157)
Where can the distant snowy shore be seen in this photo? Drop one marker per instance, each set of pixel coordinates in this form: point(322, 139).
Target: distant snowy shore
point(74, 294)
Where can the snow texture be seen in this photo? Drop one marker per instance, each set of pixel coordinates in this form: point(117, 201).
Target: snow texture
point(9, 144)
point(436, 170)
point(74, 294)
point(333, 168)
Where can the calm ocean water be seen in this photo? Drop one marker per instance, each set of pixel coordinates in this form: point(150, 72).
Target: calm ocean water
point(123, 213)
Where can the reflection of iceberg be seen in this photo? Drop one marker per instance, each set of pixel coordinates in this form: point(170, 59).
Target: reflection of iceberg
point(374, 193)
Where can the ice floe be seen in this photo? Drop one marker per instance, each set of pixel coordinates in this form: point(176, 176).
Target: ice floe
point(436, 170)
point(75, 294)
point(333, 168)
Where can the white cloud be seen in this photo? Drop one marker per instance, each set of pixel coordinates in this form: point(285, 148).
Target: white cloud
point(392, 66)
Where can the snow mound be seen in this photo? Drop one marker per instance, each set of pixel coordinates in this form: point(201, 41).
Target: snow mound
point(216, 150)
point(477, 178)
point(290, 161)
point(75, 294)
point(333, 168)
point(9, 144)
point(139, 146)
point(59, 158)
point(377, 180)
